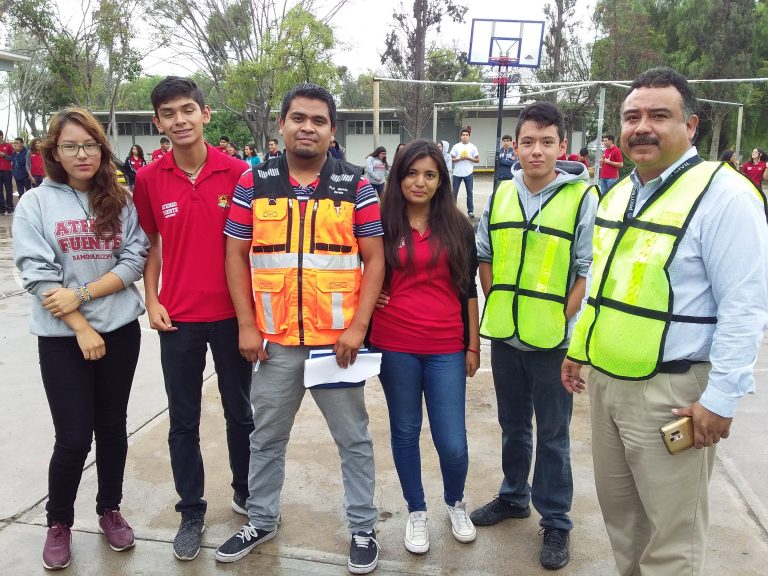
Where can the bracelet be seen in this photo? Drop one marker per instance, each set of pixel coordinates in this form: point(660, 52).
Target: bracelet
point(472, 350)
point(79, 294)
point(87, 293)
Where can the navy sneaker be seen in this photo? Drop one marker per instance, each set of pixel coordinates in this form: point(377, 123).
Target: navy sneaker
point(246, 539)
point(497, 510)
point(363, 552)
point(554, 551)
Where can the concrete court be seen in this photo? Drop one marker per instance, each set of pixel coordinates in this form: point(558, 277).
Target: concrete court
point(312, 538)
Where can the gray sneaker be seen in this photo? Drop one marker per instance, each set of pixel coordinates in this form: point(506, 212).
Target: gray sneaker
point(186, 544)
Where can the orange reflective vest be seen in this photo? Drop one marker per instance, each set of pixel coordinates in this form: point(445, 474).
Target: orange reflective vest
point(305, 263)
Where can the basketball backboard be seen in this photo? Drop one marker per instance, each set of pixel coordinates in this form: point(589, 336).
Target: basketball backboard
point(517, 42)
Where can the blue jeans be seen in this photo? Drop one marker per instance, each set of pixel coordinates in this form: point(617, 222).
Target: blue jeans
point(441, 380)
point(182, 354)
point(606, 183)
point(528, 383)
point(468, 184)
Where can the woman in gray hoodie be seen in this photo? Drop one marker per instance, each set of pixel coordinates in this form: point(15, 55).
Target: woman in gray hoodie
point(79, 248)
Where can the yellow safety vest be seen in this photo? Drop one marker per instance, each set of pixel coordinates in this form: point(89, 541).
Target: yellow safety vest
point(531, 266)
point(623, 327)
point(305, 266)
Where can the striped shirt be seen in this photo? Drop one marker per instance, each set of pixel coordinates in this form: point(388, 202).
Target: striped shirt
point(240, 222)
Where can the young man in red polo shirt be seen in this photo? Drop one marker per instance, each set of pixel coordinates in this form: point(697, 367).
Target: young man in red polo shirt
point(610, 164)
point(6, 175)
point(165, 146)
point(183, 201)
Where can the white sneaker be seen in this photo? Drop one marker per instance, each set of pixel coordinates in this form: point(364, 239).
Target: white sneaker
point(416, 533)
point(461, 526)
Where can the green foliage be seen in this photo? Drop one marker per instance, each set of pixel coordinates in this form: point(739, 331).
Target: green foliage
point(224, 123)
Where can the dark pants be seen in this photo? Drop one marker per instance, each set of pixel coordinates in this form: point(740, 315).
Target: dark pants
point(182, 354)
point(37, 180)
point(528, 383)
point(6, 181)
point(88, 398)
point(22, 185)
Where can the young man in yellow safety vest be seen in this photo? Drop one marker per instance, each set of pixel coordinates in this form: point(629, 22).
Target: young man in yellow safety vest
point(534, 243)
point(678, 298)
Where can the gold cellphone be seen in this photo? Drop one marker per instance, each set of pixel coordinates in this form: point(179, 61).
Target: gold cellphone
point(677, 435)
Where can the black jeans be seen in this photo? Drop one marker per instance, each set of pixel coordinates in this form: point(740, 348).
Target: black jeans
point(6, 181)
point(22, 185)
point(88, 398)
point(528, 384)
point(182, 353)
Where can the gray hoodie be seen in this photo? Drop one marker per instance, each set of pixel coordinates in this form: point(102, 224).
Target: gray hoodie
point(567, 172)
point(53, 247)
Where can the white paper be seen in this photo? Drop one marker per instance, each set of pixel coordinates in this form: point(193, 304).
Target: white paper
point(321, 368)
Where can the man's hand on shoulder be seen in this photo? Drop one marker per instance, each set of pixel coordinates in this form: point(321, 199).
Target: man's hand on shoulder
point(708, 427)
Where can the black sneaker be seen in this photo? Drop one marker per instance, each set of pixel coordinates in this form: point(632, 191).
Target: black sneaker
point(246, 539)
point(497, 510)
point(186, 544)
point(238, 504)
point(554, 551)
point(363, 552)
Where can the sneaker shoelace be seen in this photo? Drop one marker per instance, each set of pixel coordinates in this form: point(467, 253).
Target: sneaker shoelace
point(364, 541)
point(419, 524)
point(116, 519)
point(59, 533)
point(460, 515)
point(247, 532)
point(553, 537)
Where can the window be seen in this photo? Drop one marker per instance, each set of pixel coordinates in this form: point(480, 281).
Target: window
point(146, 129)
point(124, 128)
point(359, 126)
point(390, 127)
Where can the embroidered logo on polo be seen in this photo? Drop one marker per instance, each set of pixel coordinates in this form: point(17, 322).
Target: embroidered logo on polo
point(223, 201)
point(170, 209)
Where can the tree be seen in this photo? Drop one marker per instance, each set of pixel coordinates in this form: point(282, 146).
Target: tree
point(405, 55)
point(250, 50)
point(92, 60)
point(565, 59)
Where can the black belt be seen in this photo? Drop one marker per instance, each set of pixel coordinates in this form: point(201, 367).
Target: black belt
point(678, 366)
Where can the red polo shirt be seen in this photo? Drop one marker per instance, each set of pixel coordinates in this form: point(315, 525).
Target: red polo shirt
point(754, 171)
point(614, 155)
point(5, 161)
point(158, 154)
point(190, 219)
point(423, 315)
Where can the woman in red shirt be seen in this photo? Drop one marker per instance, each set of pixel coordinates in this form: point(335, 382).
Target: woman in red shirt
point(754, 169)
point(35, 164)
point(426, 326)
point(132, 164)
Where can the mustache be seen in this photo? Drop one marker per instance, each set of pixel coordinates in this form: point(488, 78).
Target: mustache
point(643, 141)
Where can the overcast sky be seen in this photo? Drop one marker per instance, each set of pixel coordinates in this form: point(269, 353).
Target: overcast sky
point(363, 25)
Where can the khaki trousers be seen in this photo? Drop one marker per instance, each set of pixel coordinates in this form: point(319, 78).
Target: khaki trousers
point(655, 506)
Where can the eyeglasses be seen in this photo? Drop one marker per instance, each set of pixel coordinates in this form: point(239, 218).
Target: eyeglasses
point(91, 149)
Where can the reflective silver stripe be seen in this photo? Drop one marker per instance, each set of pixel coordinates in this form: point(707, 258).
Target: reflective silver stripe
point(337, 310)
point(314, 261)
point(266, 302)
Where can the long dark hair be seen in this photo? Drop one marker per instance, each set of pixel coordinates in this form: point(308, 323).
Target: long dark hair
point(106, 197)
point(139, 150)
point(379, 150)
point(450, 230)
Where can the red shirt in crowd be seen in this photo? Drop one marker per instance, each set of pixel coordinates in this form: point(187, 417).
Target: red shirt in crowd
point(576, 158)
point(36, 164)
point(614, 155)
point(158, 154)
point(136, 162)
point(5, 161)
point(190, 219)
point(423, 315)
point(754, 171)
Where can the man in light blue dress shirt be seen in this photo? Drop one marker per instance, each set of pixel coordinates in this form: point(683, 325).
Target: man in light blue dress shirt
point(655, 505)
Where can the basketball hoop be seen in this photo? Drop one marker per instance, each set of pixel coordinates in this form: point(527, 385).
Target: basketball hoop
point(502, 64)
